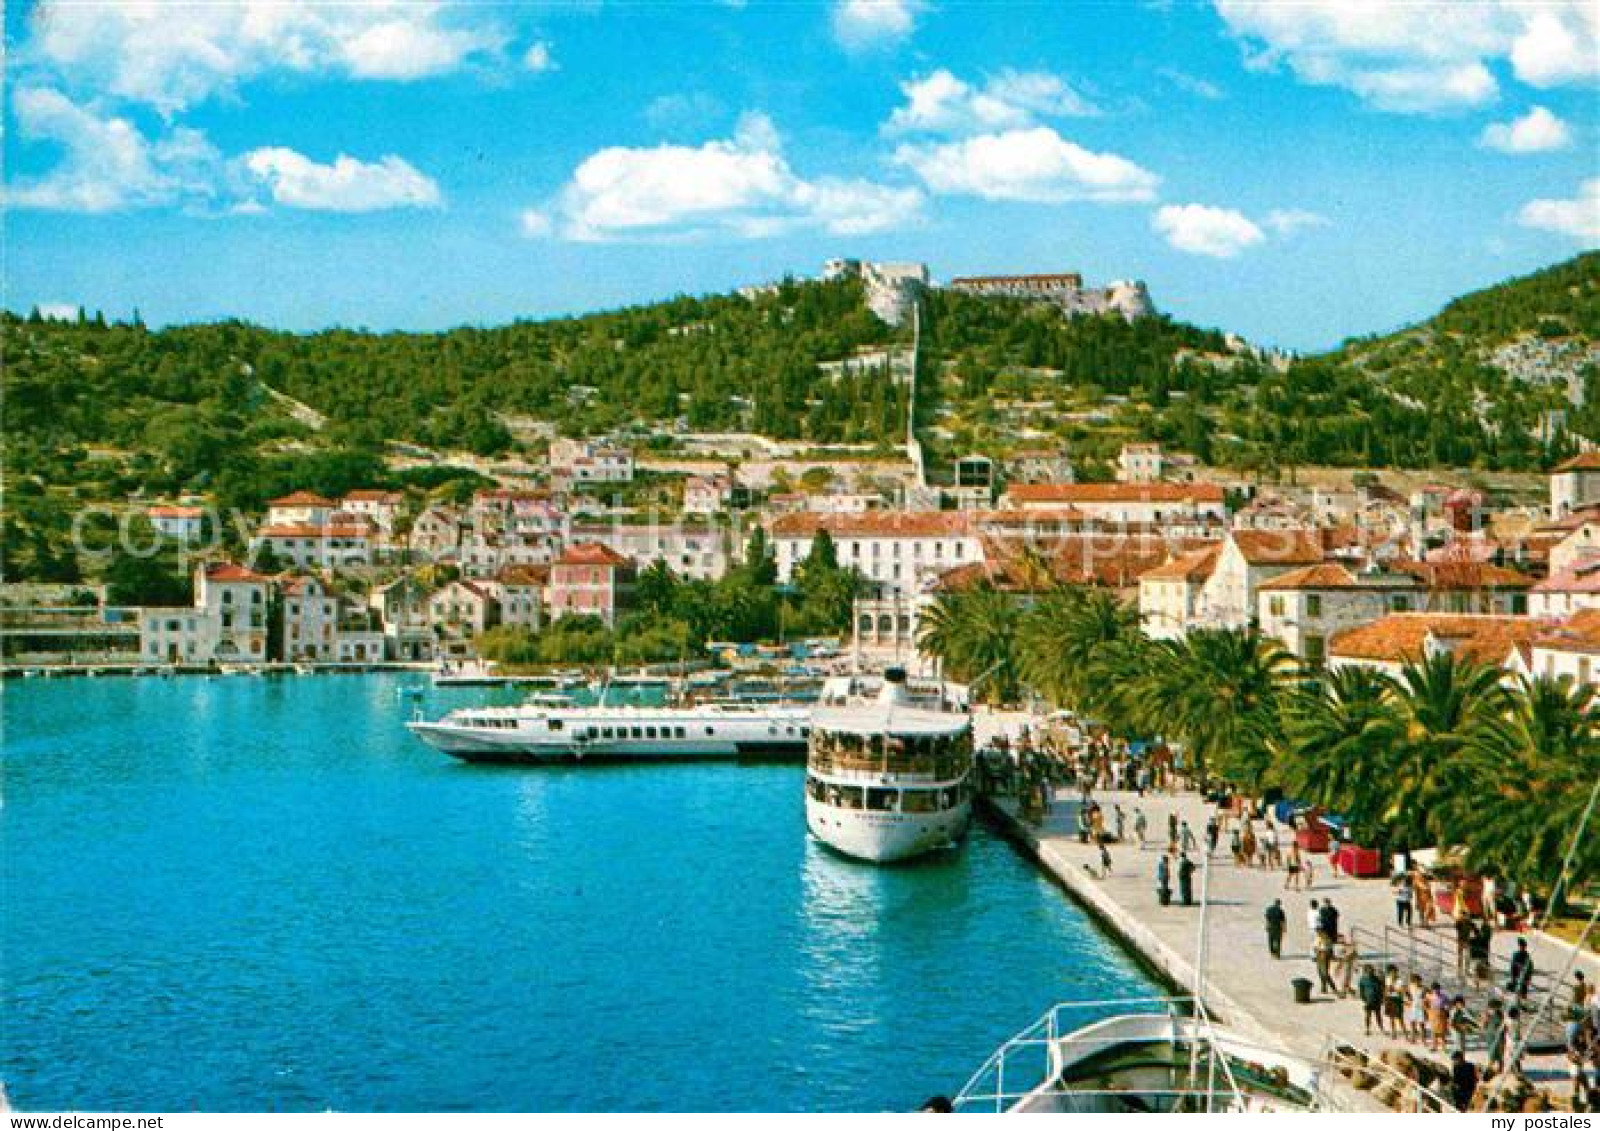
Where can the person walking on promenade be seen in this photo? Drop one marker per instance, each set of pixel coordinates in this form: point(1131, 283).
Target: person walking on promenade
point(1291, 880)
point(1212, 831)
point(1521, 972)
point(1463, 929)
point(1402, 900)
point(1322, 952)
point(1494, 1036)
point(1461, 1023)
point(1185, 880)
point(1328, 920)
point(1277, 923)
point(1463, 1081)
point(1186, 841)
point(1164, 878)
point(1313, 920)
point(1121, 822)
point(1247, 846)
point(1345, 957)
point(1416, 1010)
point(1140, 826)
point(1274, 854)
point(1482, 946)
point(1394, 1001)
point(1105, 860)
point(1424, 894)
point(1438, 1018)
point(1371, 990)
point(1172, 827)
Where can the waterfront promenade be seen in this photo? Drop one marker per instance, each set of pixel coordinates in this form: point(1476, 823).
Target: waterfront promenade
point(1248, 988)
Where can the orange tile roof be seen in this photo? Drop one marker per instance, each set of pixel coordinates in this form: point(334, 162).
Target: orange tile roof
point(876, 524)
point(1583, 461)
point(1582, 577)
point(1192, 567)
point(1578, 633)
point(301, 499)
point(523, 575)
point(232, 571)
point(591, 553)
point(1071, 494)
point(1399, 637)
point(175, 512)
point(1461, 573)
point(1279, 547)
point(368, 495)
point(1332, 575)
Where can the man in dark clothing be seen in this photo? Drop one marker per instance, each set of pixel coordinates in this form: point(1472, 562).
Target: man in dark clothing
point(1211, 837)
point(1164, 879)
point(1277, 923)
point(1185, 880)
point(1463, 1080)
point(1521, 971)
point(1328, 921)
point(1371, 990)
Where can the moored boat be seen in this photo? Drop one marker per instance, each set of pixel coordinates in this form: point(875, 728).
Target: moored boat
point(888, 772)
point(540, 733)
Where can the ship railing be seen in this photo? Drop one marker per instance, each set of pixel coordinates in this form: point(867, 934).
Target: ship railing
point(1028, 1060)
point(1341, 1063)
point(941, 769)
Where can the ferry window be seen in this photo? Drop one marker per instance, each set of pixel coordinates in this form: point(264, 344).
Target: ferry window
point(556, 724)
point(638, 732)
point(709, 730)
point(881, 800)
point(805, 730)
point(650, 732)
point(679, 732)
point(917, 801)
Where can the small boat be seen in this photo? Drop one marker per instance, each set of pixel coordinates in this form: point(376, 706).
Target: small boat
point(889, 766)
point(305, 669)
point(1145, 1055)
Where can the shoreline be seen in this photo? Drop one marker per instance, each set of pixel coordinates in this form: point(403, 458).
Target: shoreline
point(166, 671)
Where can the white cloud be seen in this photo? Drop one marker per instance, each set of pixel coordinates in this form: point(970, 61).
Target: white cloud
point(1537, 131)
point(1578, 217)
point(1424, 56)
point(861, 25)
point(1200, 229)
point(1192, 84)
point(174, 55)
point(742, 186)
point(942, 103)
point(1036, 165)
point(539, 59)
point(108, 164)
point(347, 185)
point(1288, 221)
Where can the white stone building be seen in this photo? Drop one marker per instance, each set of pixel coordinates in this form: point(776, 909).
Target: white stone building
point(1304, 608)
point(1575, 484)
point(899, 550)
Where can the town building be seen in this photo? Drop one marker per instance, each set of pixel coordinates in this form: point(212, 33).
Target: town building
point(320, 546)
point(1389, 644)
point(1575, 484)
point(590, 579)
point(1170, 595)
point(707, 494)
point(301, 508)
point(1143, 503)
point(1571, 590)
point(402, 609)
point(1570, 649)
point(237, 598)
point(1039, 465)
point(183, 524)
point(1306, 607)
point(694, 551)
point(1247, 560)
point(180, 635)
point(310, 619)
point(381, 508)
point(521, 593)
point(899, 550)
point(436, 533)
point(575, 462)
point(1141, 463)
point(460, 611)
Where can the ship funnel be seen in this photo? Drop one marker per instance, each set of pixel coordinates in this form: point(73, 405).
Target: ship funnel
point(893, 691)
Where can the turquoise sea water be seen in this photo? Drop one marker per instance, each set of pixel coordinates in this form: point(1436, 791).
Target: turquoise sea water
point(241, 893)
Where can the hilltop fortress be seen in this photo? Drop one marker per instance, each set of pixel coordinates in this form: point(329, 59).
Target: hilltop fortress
point(892, 287)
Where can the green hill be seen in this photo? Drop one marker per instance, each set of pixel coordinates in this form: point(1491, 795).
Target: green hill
point(98, 412)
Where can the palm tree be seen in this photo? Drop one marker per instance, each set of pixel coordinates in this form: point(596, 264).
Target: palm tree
point(1447, 706)
point(1338, 740)
point(1065, 636)
point(1524, 786)
point(1219, 690)
point(973, 632)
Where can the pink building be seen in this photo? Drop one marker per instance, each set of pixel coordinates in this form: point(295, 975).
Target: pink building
point(589, 579)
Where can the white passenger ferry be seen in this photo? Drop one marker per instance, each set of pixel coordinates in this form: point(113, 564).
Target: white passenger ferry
point(889, 767)
point(544, 733)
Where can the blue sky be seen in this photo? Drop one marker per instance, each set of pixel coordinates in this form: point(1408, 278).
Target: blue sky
point(1296, 172)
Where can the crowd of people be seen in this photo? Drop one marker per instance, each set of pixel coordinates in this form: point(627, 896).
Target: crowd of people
point(1401, 1005)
